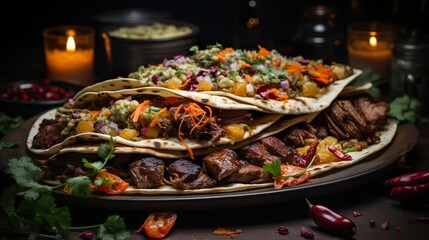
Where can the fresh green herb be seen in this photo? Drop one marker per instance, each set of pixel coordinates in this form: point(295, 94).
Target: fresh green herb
point(369, 75)
point(349, 149)
point(8, 123)
point(4, 145)
point(216, 45)
point(194, 49)
point(275, 169)
point(31, 208)
point(406, 108)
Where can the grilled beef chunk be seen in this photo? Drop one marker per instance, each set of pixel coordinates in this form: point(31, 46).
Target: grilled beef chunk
point(257, 154)
point(297, 134)
point(49, 133)
point(225, 167)
point(147, 172)
point(248, 173)
point(184, 174)
point(221, 164)
point(374, 112)
point(276, 147)
point(345, 122)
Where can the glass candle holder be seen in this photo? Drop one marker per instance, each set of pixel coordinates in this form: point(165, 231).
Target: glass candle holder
point(69, 54)
point(369, 45)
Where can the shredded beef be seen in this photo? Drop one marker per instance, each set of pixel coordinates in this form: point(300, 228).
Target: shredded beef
point(49, 133)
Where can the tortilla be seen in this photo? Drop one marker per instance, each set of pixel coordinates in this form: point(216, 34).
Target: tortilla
point(218, 102)
point(386, 135)
point(261, 122)
point(294, 106)
point(280, 125)
point(264, 79)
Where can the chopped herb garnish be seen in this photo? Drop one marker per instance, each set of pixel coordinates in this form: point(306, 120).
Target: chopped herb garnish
point(31, 209)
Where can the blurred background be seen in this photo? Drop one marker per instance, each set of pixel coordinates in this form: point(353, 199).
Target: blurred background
point(287, 25)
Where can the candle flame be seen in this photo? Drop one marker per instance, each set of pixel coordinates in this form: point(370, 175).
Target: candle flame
point(373, 41)
point(71, 45)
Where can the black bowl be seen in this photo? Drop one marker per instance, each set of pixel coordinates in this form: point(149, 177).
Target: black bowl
point(128, 54)
point(35, 105)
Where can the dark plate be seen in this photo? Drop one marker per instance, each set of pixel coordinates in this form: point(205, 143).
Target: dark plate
point(336, 180)
point(31, 108)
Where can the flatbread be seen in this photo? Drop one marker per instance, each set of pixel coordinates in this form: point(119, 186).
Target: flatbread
point(280, 125)
point(172, 143)
point(386, 136)
point(219, 102)
point(294, 106)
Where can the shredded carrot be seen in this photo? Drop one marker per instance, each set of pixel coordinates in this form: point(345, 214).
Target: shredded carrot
point(191, 153)
point(93, 114)
point(248, 78)
point(263, 52)
point(176, 113)
point(197, 115)
point(163, 111)
point(277, 63)
point(278, 94)
point(107, 113)
point(140, 108)
point(222, 54)
point(243, 64)
point(184, 84)
point(250, 55)
point(322, 74)
point(154, 122)
point(225, 232)
point(294, 68)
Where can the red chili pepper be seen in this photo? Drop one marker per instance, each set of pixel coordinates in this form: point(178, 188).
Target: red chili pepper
point(412, 178)
point(339, 154)
point(331, 221)
point(411, 192)
point(306, 158)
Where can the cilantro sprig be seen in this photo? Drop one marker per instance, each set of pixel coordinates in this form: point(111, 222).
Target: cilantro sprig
point(31, 209)
point(274, 168)
point(406, 108)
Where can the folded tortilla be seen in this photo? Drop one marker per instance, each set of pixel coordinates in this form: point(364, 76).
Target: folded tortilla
point(260, 122)
point(386, 135)
point(293, 106)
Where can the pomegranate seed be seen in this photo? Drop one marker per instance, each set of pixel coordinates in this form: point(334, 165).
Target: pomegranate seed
point(385, 225)
point(282, 230)
point(306, 233)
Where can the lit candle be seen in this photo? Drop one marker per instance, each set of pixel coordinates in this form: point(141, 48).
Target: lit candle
point(69, 54)
point(370, 46)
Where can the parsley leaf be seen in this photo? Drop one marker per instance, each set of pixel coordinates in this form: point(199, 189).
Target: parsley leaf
point(4, 145)
point(274, 168)
point(22, 169)
point(106, 150)
point(406, 108)
point(8, 123)
point(113, 228)
point(80, 186)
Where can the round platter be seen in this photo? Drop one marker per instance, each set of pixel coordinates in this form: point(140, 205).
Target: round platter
point(333, 181)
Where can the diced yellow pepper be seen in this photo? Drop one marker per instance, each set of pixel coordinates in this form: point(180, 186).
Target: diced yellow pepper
point(151, 133)
point(239, 89)
point(173, 83)
point(84, 126)
point(235, 131)
point(128, 134)
point(310, 89)
point(205, 86)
